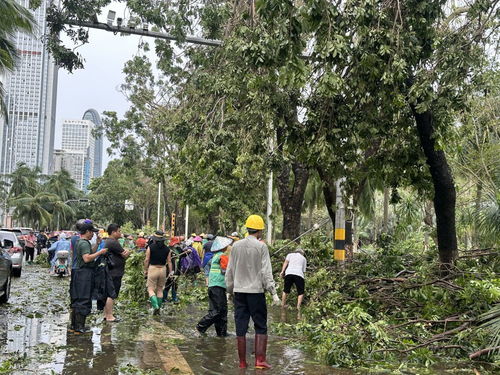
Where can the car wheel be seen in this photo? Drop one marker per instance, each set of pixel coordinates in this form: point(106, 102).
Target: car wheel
point(16, 272)
point(5, 297)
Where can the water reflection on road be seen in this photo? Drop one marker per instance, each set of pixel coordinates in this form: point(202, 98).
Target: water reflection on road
point(34, 338)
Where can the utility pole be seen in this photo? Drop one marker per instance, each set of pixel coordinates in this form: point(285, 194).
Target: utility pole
point(339, 243)
point(159, 207)
point(186, 226)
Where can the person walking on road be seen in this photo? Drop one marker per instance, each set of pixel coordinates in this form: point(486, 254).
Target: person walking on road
point(249, 274)
point(117, 256)
point(293, 270)
point(29, 246)
point(217, 313)
point(158, 255)
point(82, 283)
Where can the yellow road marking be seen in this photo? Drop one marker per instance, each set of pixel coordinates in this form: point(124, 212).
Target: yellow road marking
point(171, 357)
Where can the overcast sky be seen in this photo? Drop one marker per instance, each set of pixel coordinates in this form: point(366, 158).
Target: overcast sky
point(97, 85)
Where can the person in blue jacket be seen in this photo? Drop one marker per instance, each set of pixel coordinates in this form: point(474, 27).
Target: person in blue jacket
point(61, 245)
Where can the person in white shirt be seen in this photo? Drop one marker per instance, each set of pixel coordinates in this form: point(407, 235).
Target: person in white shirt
point(293, 270)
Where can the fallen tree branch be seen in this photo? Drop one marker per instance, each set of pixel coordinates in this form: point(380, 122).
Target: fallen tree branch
point(483, 351)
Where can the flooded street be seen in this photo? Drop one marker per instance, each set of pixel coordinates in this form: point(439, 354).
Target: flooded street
point(34, 339)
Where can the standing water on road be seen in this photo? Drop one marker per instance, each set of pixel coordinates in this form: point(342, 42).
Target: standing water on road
point(34, 339)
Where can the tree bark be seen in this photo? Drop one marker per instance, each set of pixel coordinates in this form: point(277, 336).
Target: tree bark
point(329, 193)
point(385, 225)
point(444, 188)
point(291, 197)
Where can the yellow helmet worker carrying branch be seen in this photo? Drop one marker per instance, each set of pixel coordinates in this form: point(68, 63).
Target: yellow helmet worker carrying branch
point(255, 222)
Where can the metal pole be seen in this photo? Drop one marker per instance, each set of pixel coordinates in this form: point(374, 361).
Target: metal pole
point(139, 31)
point(339, 243)
point(186, 227)
point(269, 234)
point(159, 206)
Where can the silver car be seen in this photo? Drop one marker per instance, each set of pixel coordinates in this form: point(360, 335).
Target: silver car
point(5, 273)
point(11, 244)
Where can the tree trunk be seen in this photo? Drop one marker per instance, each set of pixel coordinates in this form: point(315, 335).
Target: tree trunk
point(213, 222)
point(329, 193)
point(477, 211)
point(385, 225)
point(444, 189)
point(291, 197)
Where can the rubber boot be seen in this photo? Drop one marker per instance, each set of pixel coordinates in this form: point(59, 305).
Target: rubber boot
point(80, 323)
point(242, 350)
point(154, 302)
point(71, 321)
point(160, 302)
point(260, 352)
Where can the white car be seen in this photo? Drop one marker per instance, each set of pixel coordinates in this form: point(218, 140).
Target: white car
point(11, 244)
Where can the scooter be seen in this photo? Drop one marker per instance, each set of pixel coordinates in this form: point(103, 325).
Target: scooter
point(61, 263)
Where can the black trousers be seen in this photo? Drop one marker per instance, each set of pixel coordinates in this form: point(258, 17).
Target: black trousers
point(30, 253)
point(217, 311)
point(81, 288)
point(248, 305)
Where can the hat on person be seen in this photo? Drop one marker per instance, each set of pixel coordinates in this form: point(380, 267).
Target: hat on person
point(85, 227)
point(193, 234)
point(188, 242)
point(210, 237)
point(235, 234)
point(220, 243)
point(203, 235)
point(141, 234)
point(158, 236)
point(174, 241)
point(63, 236)
point(197, 239)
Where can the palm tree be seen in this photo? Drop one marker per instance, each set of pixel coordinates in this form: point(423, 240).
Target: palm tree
point(13, 17)
point(61, 184)
point(31, 209)
point(24, 180)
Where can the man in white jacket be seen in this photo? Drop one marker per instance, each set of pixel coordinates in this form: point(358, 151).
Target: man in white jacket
point(249, 274)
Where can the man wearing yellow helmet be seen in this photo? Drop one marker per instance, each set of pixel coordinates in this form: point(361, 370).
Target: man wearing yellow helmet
point(249, 274)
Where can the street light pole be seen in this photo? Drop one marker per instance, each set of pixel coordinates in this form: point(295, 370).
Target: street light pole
point(139, 31)
point(159, 206)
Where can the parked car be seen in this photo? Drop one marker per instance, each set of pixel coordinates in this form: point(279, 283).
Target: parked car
point(19, 233)
point(5, 275)
point(11, 244)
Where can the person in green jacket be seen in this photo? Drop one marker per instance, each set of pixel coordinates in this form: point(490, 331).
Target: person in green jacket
point(217, 312)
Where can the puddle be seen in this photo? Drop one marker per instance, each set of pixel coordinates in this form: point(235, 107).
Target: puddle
point(34, 339)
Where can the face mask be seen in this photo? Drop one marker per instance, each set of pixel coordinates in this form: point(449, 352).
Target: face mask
point(93, 241)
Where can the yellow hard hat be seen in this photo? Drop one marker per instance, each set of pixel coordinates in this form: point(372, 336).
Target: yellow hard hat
point(255, 222)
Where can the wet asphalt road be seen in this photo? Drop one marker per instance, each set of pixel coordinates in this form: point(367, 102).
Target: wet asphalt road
point(34, 339)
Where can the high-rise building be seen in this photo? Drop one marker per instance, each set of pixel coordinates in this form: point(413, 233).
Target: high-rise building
point(93, 115)
point(27, 135)
point(78, 149)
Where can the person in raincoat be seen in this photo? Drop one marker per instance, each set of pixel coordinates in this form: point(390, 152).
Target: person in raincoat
point(191, 262)
point(197, 245)
point(61, 245)
point(217, 312)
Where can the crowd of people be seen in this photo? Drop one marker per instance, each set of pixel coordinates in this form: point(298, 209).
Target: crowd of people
point(235, 270)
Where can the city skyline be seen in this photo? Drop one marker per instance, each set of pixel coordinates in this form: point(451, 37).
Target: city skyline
point(28, 133)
